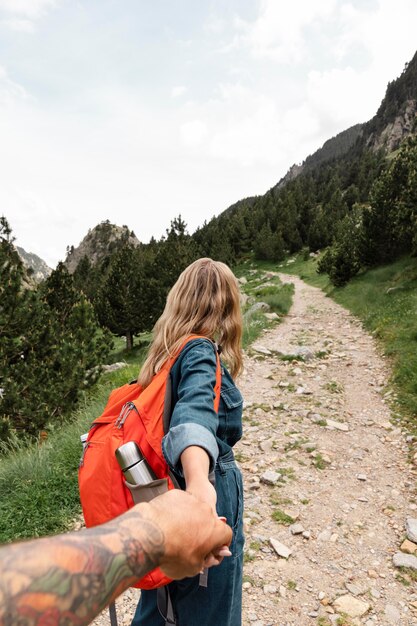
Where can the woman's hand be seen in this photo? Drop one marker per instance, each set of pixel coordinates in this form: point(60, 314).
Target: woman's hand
point(195, 464)
point(203, 490)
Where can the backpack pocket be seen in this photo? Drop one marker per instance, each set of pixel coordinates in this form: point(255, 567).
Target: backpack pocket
point(146, 493)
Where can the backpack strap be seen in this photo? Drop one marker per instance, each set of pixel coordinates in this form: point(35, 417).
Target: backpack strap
point(168, 389)
point(112, 613)
point(165, 606)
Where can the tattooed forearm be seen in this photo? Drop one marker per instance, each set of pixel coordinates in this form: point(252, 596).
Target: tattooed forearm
point(69, 579)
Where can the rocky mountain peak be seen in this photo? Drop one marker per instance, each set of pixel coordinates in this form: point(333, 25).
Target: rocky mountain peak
point(37, 270)
point(99, 242)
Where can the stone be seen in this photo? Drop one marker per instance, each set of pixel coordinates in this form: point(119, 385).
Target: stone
point(296, 529)
point(392, 614)
point(262, 350)
point(405, 560)
point(271, 316)
point(304, 352)
point(281, 550)
point(361, 477)
point(353, 607)
point(325, 535)
point(411, 529)
point(333, 425)
point(408, 546)
point(270, 477)
point(270, 589)
point(113, 367)
point(266, 445)
point(258, 306)
point(355, 590)
point(302, 391)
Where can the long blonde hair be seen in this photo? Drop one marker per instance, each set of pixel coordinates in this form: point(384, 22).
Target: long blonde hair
point(205, 300)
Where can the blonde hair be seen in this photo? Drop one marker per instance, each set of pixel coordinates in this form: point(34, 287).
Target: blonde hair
point(205, 300)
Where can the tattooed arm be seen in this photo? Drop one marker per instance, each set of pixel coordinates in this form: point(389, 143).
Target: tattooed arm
point(69, 579)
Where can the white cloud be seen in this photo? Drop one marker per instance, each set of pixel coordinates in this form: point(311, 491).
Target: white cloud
point(18, 25)
point(337, 97)
point(28, 8)
point(10, 91)
point(193, 133)
point(277, 33)
point(178, 91)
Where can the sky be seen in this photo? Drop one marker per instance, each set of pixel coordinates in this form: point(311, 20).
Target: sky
point(137, 111)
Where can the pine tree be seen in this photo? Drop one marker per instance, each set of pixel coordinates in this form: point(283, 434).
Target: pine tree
point(119, 304)
point(50, 345)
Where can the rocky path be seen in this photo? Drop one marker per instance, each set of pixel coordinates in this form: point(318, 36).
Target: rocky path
point(328, 487)
point(326, 476)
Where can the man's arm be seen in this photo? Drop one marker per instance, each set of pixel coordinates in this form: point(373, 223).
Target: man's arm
point(70, 578)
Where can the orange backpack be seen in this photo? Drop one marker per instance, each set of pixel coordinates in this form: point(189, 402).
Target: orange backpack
point(131, 414)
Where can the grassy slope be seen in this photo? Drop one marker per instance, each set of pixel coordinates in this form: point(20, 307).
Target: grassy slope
point(390, 315)
point(38, 485)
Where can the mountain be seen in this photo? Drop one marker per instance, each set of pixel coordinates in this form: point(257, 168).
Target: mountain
point(396, 116)
point(37, 269)
point(102, 240)
point(392, 123)
point(332, 149)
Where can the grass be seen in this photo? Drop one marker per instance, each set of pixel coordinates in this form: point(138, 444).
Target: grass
point(282, 518)
point(389, 315)
point(38, 484)
point(279, 298)
point(319, 463)
point(334, 387)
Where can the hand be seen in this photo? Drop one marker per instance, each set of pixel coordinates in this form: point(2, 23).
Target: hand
point(203, 490)
point(194, 537)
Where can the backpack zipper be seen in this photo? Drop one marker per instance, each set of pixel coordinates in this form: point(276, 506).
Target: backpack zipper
point(124, 413)
point(85, 446)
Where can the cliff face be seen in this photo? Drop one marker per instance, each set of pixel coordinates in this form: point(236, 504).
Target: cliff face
point(36, 268)
point(396, 131)
point(102, 240)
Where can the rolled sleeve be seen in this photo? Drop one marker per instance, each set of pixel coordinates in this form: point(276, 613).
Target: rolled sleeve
point(185, 435)
point(194, 422)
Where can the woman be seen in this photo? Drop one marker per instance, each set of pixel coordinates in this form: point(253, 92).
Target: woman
point(204, 301)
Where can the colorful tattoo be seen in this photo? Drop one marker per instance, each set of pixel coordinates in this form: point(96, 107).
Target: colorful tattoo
point(67, 580)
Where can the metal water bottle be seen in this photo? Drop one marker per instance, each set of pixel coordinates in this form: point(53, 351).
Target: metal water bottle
point(133, 464)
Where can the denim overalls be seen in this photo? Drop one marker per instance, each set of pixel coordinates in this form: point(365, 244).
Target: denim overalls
point(194, 422)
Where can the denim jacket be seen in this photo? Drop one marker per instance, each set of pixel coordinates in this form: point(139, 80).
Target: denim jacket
point(194, 421)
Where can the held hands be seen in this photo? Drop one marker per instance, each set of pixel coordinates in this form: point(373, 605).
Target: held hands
point(194, 537)
point(195, 464)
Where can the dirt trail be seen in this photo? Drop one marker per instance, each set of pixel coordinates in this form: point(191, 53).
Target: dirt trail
point(319, 449)
point(323, 426)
